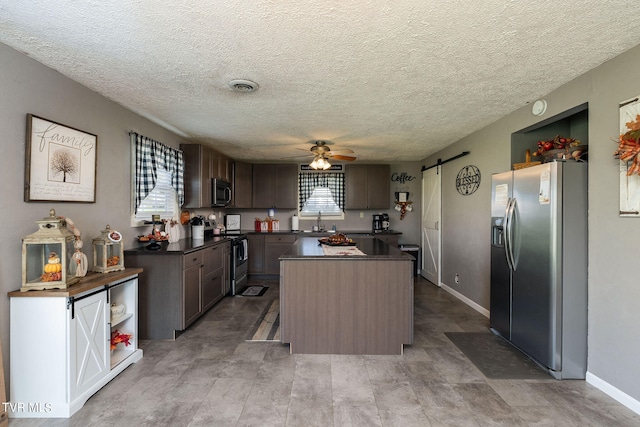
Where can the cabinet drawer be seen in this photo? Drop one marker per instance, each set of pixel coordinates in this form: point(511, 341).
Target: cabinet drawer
point(194, 258)
point(283, 238)
point(213, 258)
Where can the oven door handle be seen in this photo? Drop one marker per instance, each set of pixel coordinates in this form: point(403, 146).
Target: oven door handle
point(245, 249)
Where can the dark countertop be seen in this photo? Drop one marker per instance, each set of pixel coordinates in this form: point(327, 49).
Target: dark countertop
point(374, 249)
point(182, 246)
point(324, 233)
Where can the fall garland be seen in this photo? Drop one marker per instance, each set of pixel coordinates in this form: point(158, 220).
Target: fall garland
point(629, 148)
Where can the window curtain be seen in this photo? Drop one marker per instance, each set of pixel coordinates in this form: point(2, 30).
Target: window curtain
point(332, 180)
point(151, 155)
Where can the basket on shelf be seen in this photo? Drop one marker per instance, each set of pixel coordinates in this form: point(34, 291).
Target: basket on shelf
point(527, 162)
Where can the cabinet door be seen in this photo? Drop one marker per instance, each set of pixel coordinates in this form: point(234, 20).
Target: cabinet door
point(286, 186)
point(356, 188)
point(89, 343)
point(191, 294)
point(378, 186)
point(242, 185)
point(212, 258)
point(226, 268)
point(275, 246)
point(197, 175)
point(212, 289)
point(256, 253)
point(390, 239)
point(214, 165)
point(262, 192)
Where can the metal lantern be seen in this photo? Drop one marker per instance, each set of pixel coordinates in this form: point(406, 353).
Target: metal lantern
point(46, 256)
point(108, 251)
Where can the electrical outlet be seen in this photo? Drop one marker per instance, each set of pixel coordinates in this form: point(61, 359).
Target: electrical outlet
point(457, 279)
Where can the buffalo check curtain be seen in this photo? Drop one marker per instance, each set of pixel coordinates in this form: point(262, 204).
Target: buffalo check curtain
point(151, 155)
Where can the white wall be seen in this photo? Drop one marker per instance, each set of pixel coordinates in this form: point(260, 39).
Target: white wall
point(614, 291)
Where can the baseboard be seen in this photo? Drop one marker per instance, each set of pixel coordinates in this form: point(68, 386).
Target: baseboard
point(613, 392)
point(477, 307)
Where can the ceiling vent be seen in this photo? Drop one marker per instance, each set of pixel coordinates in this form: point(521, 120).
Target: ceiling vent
point(244, 86)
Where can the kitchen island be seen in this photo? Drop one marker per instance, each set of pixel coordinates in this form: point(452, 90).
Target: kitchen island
point(346, 304)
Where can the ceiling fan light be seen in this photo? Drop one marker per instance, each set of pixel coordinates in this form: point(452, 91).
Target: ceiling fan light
point(320, 163)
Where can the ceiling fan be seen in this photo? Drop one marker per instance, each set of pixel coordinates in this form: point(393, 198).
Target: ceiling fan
point(321, 153)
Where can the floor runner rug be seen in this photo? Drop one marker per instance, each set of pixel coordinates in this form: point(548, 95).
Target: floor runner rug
point(495, 357)
point(254, 291)
point(267, 327)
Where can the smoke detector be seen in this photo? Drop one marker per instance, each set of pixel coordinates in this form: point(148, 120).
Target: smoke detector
point(243, 86)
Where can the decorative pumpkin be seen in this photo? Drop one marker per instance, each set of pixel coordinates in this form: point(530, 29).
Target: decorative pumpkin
point(52, 268)
point(53, 258)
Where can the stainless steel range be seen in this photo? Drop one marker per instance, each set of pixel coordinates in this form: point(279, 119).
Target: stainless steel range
point(239, 262)
point(239, 253)
point(239, 265)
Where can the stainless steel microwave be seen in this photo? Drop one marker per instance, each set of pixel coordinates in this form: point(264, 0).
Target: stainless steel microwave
point(220, 192)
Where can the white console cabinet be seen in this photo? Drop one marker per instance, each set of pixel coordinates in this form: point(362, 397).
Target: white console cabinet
point(60, 343)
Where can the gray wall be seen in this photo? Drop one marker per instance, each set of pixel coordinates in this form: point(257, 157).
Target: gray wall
point(614, 294)
point(28, 87)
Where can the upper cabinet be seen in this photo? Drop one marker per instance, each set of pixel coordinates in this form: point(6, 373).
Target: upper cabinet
point(367, 186)
point(275, 185)
point(242, 185)
point(201, 163)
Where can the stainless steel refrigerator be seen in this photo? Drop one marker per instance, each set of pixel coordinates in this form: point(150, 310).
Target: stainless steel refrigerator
point(539, 264)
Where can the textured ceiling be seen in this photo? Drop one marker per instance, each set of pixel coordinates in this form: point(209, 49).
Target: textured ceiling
point(390, 80)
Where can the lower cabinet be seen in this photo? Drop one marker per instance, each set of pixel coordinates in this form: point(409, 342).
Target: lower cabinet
point(178, 288)
point(389, 239)
point(192, 279)
point(62, 343)
point(264, 251)
point(274, 246)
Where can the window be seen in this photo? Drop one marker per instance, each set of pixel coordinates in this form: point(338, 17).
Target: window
point(161, 200)
point(158, 180)
point(321, 193)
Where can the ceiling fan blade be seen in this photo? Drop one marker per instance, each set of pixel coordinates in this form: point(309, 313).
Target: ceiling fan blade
point(342, 150)
point(339, 157)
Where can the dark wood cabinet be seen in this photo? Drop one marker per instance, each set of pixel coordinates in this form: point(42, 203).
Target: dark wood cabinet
point(242, 185)
point(275, 186)
point(274, 246)
point(264, 251)
point(192, 298)
point(201, 163)
point(390, 239)
point(367, 186)
point(256, 253)
point(197, 175)
point(177, 288)
point(213, 274)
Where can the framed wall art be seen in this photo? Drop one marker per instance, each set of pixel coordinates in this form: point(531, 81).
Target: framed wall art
point(60, 163)
point(629, 171)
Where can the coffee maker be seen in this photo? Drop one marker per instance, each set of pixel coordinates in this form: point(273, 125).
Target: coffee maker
point(385, 222)
point(380, 223)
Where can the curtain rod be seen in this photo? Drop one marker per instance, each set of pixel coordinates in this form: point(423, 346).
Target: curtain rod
point(442, 162)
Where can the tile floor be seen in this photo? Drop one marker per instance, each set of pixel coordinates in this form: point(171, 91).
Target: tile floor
point(210, 376)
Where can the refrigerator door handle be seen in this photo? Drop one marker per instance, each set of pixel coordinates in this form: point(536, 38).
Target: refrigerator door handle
point(506, 234)
point(511, 208)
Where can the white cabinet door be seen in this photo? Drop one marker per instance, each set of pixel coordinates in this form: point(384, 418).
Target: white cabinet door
point(89, 343)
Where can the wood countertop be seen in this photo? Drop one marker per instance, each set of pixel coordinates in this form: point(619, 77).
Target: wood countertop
point(87, 283)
